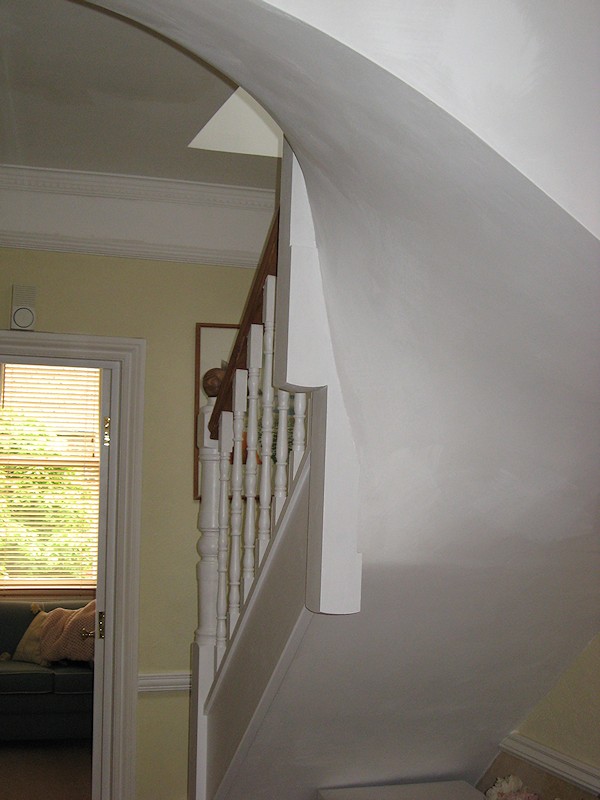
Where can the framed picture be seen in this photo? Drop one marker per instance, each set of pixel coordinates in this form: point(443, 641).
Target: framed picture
point(214, 342)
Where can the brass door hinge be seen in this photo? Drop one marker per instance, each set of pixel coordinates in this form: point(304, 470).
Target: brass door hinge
point(106, 435)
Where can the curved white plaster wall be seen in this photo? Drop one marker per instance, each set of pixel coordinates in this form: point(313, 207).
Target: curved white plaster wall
point(462, 305)
point(522, 76)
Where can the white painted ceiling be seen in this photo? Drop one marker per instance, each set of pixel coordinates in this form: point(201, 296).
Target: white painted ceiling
point(85, 90)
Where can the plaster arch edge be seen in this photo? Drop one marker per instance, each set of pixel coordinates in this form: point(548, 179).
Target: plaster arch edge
point(222, 26)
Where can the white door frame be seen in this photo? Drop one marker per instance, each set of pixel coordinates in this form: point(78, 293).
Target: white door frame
point(119, 739)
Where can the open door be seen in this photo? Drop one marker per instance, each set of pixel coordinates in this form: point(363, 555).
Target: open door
point(105, 589)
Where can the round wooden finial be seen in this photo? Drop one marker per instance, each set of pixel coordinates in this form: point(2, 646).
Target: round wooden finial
point(212, 380)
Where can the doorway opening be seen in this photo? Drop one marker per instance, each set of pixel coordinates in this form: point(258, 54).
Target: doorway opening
point(118, 365)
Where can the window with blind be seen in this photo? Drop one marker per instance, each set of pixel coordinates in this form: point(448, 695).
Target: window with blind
point(49, 475)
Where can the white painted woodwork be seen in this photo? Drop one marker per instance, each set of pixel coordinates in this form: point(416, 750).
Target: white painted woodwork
point(260, 654)
point(304, 358)
point(302, 350)
point(104, 647)
point(585, 776)
point(203, 647)
point(299, 434)
point(240, 402)
point(164, 682)
point(133, 216)
point(202, 669)
point(281, 453)
point(225, 449)
point(208, 524)
point(266, 472)
point(254, 362)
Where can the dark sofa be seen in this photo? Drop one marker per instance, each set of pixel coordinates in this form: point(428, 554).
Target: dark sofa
point(41, 702)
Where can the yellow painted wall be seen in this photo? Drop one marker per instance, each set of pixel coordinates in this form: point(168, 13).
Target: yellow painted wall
point(162, 761)
point(161, 303)
point(568, 718)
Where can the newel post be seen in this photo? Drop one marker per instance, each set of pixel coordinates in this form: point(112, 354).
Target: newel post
point(208, 524)
point(203, 647)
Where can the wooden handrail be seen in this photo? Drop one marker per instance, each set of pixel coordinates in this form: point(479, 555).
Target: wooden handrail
point(251, 315)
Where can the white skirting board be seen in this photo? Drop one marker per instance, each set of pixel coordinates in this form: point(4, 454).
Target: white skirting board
point(569, 769)
point(164, 682)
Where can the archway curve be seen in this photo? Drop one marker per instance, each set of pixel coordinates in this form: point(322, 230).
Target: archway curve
point(461, 303)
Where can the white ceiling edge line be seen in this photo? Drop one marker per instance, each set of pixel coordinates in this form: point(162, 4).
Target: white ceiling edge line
point(130, 249)
point(241, 125)
point(132, 187)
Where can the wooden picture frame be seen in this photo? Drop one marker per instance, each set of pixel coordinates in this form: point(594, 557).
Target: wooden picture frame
point(214, 342)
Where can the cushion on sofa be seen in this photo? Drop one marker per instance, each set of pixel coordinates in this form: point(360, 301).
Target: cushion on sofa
point(61, 634)
point(15, 617)
point(28, 648)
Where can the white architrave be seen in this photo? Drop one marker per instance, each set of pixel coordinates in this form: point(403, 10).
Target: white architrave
point(122, 568)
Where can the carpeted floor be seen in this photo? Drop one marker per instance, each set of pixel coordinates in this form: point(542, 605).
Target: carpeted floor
point(46, 770)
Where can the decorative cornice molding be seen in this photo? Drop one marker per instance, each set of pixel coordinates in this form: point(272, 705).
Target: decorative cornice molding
point(121, 248)
point(165, 682)
point(569, 769)
point(131, 187)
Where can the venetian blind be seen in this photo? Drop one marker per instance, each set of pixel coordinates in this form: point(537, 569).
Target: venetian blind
point(49, 475)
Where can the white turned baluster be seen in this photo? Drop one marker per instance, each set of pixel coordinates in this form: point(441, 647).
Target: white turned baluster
point(225, 447)
point(240, 395)
point(299, 434)
point(264, 514)
point(254, 364)
point(281, 451)
point(208, 523)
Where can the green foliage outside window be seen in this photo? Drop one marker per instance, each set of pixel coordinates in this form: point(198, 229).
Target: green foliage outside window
point(48, 515)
